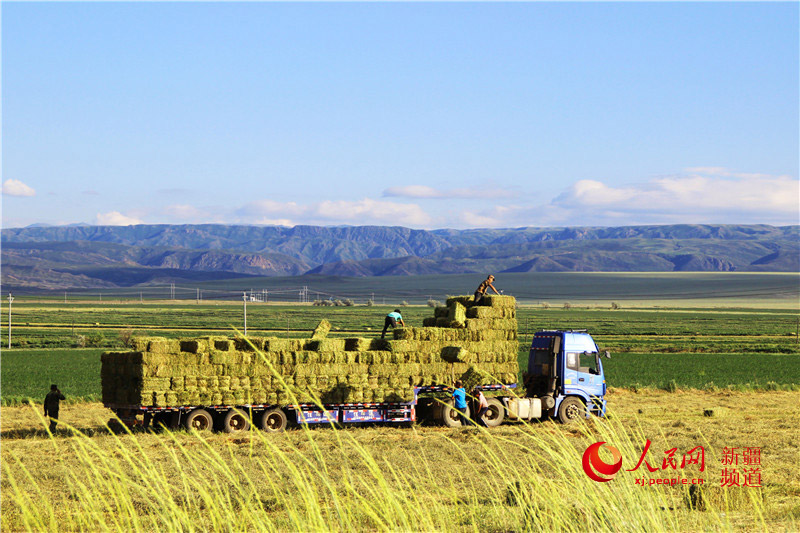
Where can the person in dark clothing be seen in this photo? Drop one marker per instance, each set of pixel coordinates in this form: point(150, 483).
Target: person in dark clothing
point(51, 406)
point(391, 320)
point(483, 287)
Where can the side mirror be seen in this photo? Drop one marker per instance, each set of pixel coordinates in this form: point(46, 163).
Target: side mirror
point(607, 354)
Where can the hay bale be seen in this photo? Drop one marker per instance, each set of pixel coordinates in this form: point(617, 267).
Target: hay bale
point(429, 321)
point(406, 333)
point(322, 329)
point(379, 345)
point(485, 312)
point(403, 346)
point(248, 344)
point(427, 334)
point(456, 354)
point(160, 345)
point(457, 312)
point(330, 345)
point(466, 301)
point(495, 300)
point(223, 345)
point(479, 324)
point(356, 344)
point(139, 344)
point(194, 346)
point(440, 312)
point(475, 376)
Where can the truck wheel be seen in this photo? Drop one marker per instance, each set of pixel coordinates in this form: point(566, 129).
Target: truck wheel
point(496, 413)
point(450, 416)
point(273, 421)
point(199, 419)
point(570, 410)
point(235, 421)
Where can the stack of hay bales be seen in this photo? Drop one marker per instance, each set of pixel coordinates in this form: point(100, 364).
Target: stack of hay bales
point(474, 343)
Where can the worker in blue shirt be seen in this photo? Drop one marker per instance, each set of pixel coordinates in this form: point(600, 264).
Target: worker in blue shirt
point(460, 402)
point(392, 319)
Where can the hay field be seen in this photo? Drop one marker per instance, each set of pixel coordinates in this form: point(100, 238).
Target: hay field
point(514, 478)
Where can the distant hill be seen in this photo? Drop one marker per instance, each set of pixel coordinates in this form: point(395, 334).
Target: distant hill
point(122, 256)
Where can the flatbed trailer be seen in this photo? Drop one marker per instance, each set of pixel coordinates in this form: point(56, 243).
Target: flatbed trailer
point(430, 403)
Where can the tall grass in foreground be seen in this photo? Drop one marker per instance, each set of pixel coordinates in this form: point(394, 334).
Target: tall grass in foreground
point(529, 478)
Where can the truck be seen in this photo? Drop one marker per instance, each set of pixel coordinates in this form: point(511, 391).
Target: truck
point(564, 381)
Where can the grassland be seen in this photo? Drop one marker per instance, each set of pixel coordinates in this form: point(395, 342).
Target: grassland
point(671, 367)
point(659, 348)
point(514, 478)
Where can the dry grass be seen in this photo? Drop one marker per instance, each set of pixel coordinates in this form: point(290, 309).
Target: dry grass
point(376, 478)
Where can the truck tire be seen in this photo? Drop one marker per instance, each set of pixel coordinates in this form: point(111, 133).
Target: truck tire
point(273, 421)
point(571, 410)
point(236, 421)
point(199, 419)
point(450, 416)
point(496, 413)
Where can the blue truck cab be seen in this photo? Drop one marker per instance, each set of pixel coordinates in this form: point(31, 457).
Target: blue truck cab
point(566, 373)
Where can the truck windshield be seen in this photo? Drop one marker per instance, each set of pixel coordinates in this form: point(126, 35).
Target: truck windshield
point(583, 362)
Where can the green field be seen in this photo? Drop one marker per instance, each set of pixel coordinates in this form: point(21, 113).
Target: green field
point(28, 374)
point(659, 348)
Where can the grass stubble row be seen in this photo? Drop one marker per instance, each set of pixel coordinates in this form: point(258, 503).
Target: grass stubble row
point(474, 343)
point(526, 477)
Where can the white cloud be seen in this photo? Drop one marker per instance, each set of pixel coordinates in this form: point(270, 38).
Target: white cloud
point(704, 195)
point(423, 191)
point(718, 196)
point(115, 218)
point(17, 188)
point(360, 212)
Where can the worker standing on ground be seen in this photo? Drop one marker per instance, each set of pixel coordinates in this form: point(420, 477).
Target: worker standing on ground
point(51, 403)
point(482, 406)
point(460, 402)
point(392, 319)
point(483, 287)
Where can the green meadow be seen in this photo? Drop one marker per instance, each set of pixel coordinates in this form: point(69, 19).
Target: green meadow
point(651, 347)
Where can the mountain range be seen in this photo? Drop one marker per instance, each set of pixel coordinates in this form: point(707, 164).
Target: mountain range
point(59, 257)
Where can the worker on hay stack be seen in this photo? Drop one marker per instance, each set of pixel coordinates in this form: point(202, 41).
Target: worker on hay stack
point(391, 320)
point(483, 287)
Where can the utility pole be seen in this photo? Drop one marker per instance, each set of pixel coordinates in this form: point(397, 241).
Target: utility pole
point(65, 296)
point(10, 299)
point(244, 299)
point(198, 295)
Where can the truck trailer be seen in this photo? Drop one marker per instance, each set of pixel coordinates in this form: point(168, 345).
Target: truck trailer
point(233, 384)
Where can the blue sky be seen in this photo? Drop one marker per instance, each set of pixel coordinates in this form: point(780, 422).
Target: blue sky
point(427, 115)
